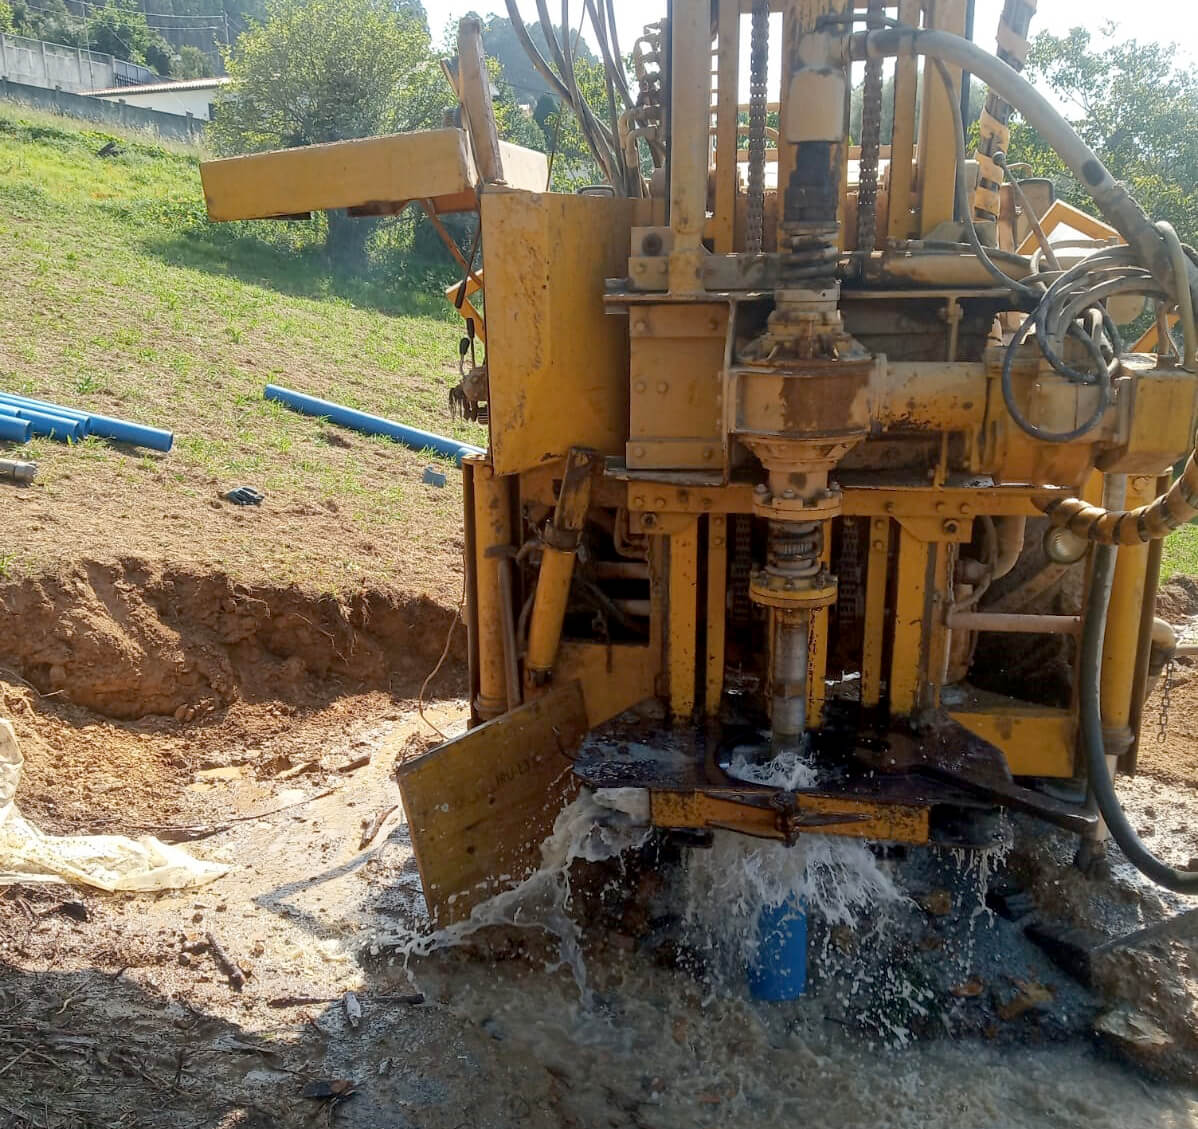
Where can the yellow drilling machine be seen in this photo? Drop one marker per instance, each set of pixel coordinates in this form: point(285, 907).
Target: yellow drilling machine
point(805, 449)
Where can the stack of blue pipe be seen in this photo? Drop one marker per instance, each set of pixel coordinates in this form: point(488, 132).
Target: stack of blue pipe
point(22, 417)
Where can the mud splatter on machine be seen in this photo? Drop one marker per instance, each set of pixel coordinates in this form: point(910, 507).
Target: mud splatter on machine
point(799, 447)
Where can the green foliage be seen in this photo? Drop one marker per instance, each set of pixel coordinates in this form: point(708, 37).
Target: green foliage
point(6, 16)
point(46, 19)
point(327, 70)
point(191, 62)
point(1135, 106)
point(120, 29)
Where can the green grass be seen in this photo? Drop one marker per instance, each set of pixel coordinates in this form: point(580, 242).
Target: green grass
point(118, 295)
point(1180, 557)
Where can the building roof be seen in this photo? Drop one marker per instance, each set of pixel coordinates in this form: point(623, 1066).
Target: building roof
point(161, 87)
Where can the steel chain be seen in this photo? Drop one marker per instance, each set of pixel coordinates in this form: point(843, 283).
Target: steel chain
point(758, 67)
point(871, 141)
point(1162, 722)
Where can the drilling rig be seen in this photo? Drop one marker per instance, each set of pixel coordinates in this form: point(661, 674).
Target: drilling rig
point(805, 448)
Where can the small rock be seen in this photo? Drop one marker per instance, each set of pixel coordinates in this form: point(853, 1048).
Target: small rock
point(1131, 1028)
point(968, 990)
point(385, 1067)
point(939, 903)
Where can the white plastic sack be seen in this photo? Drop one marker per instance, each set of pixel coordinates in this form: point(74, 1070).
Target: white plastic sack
point(109, 862)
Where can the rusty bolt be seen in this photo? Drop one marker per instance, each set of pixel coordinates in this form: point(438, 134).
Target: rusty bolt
point(639, 452)
point(879, 544)
point(761, 488)
point(648, 520)
point(638, 502)
point(639, 386)
point(717, 542)
point(940, 507)
point(789, 494)
point(641, 325)
point(708, 453)
point(889, 507)
point(951, 526)
point(965, 508)
point(662, 387)
point(660, 503)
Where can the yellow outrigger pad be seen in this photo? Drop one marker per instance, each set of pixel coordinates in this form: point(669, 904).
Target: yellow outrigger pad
point(375, 175)
point(480, 806)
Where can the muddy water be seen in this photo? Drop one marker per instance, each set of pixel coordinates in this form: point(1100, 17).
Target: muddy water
point(582, 1031)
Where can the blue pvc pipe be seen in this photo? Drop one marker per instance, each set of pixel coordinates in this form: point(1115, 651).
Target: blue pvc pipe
point(779, 968)
point(15, 430)
point(372, 425)
point(53, 426)
point(106, 427)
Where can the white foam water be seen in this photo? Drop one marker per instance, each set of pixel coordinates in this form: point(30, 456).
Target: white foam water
point(728, 885)
point(596, 826)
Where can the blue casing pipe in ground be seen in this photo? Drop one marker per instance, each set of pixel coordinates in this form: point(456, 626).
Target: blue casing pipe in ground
point(372, 425)
point(105, 427)
point(779, 968)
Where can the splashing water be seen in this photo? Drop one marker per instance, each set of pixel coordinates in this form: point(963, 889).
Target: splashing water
point(788, 770)
point(596, 826)
point(728, 886)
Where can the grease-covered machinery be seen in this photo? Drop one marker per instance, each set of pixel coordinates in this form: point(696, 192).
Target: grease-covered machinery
point(775, 421)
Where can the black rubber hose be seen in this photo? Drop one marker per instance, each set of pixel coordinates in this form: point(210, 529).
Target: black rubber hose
point(1090, 699)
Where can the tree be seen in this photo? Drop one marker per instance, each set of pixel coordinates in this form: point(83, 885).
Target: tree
point(192, 63)
point(1134, 106)
point(6, 18)
point(119, 29)
point(328, 70)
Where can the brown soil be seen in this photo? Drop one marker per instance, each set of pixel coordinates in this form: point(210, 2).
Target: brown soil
point(124, 680)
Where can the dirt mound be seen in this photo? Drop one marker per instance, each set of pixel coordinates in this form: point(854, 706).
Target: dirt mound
point(1177, 601)
point(131, 640)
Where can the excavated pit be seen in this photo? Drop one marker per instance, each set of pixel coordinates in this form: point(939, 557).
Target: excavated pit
point(132, 640)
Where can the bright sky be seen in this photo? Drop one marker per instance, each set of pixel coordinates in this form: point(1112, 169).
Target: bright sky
point(1170, 20)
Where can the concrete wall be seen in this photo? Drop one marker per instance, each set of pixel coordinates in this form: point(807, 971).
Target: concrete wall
point(101, 112)
point(181, 102)
point(37, 63)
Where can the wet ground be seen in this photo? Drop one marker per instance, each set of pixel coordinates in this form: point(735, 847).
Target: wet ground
point(931, 1011)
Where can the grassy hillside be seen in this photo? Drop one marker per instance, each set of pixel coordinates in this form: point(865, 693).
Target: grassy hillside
point(118, 295)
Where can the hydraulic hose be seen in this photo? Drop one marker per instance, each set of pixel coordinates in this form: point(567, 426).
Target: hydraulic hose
point(1116, 206)
point(1153, 246)
point(1090, 705)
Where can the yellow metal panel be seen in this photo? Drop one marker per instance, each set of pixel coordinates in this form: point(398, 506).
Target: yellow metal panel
point(613, 678)
point(479, 806)
point(676, 414)
point(726, 172)
point(937, 149)
point(682, 618)
point(900, 223)
point(557, 365)
point(1036, 740)
point(492, 520)
point(1123, 619)
point(525, 169)
point(876, 577)
point(888, 823)
point(717, 597)
point(342, 174)
point(908, 662)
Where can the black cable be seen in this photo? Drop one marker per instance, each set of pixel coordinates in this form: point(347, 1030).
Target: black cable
point(1008, 390)
point(1090, 707)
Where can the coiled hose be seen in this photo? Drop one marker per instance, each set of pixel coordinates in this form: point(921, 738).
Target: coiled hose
point(1102, 786)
